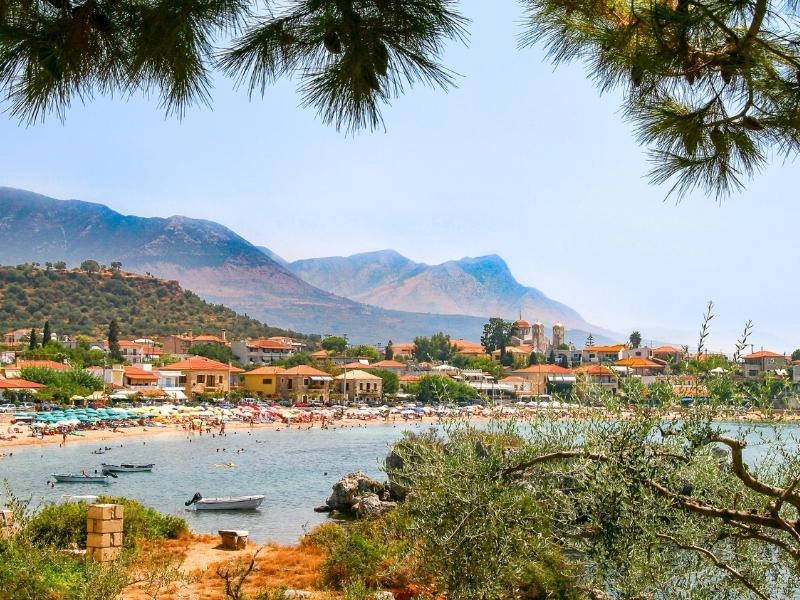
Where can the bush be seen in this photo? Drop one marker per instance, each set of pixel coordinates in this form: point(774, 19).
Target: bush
point(142, 522)
point(30, 571)
point(60, 525)
point(373, 552)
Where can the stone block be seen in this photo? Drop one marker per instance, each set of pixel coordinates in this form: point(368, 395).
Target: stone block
point(112, 526)
point(100, 540)
point(233, 539)
point(101, 511)
point(103, 554)
point(6, 518)
point(119, 511)
point(116, 539)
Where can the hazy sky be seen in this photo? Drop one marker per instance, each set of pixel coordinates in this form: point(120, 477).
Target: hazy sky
point(520, 160)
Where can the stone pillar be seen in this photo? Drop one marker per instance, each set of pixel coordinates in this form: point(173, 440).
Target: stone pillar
point(104, 532)
point(6, 523)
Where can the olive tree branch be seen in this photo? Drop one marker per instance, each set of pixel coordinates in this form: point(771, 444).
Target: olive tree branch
point(717, 562)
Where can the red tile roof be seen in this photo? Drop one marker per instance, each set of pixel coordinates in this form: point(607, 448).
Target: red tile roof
point(763, 354)
point(613, 348)
point(305, 370)
point(139, 374)
point(596, 371)
point(265, 371)
point(544, 370)
point(46, 364)
point(409, 378)
point(201, 363)
point(387, 364)
point(19, 384)
point(639, 363)
point(268, 345)
point(667, 350)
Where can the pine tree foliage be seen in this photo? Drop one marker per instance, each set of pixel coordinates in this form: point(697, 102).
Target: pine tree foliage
point(350, 56)
point(712, 86)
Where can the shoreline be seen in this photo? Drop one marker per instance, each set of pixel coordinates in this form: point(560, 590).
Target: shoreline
point(94, 436)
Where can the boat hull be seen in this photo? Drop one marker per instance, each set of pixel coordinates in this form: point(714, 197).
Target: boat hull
point(231, 503)
point(79, 479)
point(127, 468)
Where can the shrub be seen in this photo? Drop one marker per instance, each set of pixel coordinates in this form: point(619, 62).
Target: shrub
point(142, 522)
point(60, 525)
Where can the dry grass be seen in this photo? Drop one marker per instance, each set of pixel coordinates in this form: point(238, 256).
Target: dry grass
point(295, 567)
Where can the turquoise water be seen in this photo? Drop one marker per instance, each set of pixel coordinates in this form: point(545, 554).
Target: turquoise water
point(294, 469)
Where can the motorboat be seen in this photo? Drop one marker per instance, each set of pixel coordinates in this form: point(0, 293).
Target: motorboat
point(79, 478)
point(127, 468)
point(226, 502)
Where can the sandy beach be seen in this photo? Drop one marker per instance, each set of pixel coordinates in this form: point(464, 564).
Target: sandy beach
point(103, 437)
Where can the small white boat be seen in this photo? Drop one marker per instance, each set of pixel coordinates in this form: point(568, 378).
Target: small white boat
point(127, 468)
point(89, 499)
point(70, 478)
point(226, 503)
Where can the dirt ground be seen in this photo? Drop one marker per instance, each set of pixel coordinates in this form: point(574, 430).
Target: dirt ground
point(295, 567)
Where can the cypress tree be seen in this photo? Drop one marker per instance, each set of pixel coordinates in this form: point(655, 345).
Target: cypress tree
point(113, 340)
point(32, 341)
point(46, 335)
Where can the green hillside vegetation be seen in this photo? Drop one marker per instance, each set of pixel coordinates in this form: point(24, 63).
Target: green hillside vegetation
point(85, 301)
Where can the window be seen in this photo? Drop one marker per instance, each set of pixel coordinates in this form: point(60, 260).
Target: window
point(182, 379)
point(305, 381)
point(267, 381)
point(289, 383)
point(201, 379)
point(753, 373)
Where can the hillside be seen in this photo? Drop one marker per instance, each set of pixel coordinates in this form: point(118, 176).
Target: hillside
point(219, 266)
point(482, 286)
point(81, 303)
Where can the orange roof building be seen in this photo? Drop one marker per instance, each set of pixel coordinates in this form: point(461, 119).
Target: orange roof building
point(260, 352)
point(538, 376)
point(201, 375)
point(305, 384)
point(262, 381)
point(640, 366)
point(17, 384)
point(136, 377)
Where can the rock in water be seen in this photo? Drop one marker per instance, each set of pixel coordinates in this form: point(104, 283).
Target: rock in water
point(370, 505)
point(350, 492)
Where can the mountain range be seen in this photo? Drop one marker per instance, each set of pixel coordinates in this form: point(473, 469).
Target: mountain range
point(371, 297)
point(479, 286)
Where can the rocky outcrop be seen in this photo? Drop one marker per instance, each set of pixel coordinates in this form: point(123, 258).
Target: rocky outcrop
point(358, 495)
point(370, 505)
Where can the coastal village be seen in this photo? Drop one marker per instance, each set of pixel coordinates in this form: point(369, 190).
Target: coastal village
point(533, 366)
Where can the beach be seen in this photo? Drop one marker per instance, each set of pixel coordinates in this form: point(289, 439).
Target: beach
point(22, 433)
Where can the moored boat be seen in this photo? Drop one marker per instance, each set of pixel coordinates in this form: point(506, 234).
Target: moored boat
point(127, 468)
point(226, 502)
point(79, 478)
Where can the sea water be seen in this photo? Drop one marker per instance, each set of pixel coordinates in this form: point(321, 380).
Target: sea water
point(294, 469)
